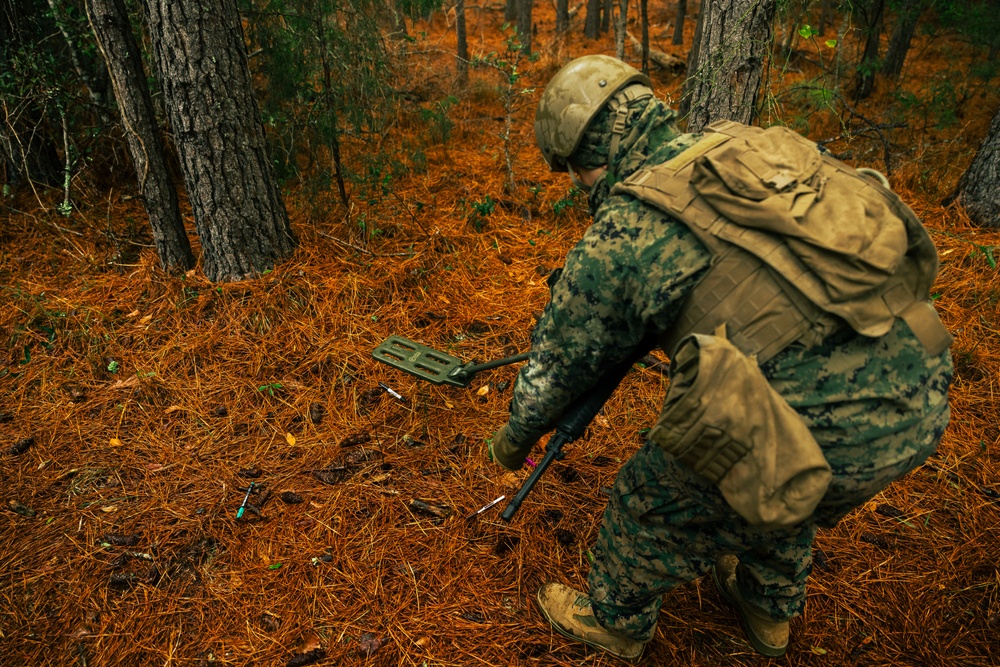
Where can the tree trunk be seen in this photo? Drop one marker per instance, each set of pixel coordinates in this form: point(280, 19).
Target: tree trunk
point(562, 16)
point(609, 9)
point(731, 43)
point(824, 16)
point(794, 16)
point(620, 27)
point(679, 25)
point(462, 55)
point(593, 22)
point(902, 35)
point(113, 32)
point(870, 14)
point(524, 8)
point(979, 189)
point(644, 20)
point(333, 136)
point(201, 57)
point(510, 11)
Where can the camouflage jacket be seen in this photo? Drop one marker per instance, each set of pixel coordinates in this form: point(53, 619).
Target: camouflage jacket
point(629, 275)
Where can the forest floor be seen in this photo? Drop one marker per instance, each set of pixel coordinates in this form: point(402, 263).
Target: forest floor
point(136, 407)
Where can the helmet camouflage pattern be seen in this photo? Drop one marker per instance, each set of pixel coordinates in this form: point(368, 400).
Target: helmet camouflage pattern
point(571, 100)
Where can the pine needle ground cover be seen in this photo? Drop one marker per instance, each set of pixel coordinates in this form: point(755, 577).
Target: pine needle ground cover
point(137, 409)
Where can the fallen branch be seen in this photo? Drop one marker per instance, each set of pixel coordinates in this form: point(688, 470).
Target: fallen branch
point(659, 58)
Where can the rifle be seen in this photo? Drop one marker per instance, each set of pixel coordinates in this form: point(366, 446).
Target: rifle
point(571, 426)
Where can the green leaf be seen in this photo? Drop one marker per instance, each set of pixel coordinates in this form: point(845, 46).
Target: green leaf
point(275, 566)
point(113, 366)
point(807, 31)
point(990, 259)
point(832, 43)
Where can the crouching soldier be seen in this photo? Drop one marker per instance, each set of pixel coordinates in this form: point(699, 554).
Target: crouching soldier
point(808, 367)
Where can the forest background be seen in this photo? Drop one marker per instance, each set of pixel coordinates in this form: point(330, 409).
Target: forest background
point(146, 386)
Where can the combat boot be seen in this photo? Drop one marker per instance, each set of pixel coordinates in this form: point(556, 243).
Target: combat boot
point(569, 612)
point(768, 636)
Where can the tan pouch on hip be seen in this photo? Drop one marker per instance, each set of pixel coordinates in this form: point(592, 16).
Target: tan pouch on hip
point(723, 420)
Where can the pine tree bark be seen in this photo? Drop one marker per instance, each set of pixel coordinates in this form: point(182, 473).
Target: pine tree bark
point(510, 11)
point(593, 22)
point(201, 56)
point(609, 9)
point(902, 36)
point(726, 64)
point(679, 24)
point(524, 22)
point(979, 188)
point(113, 31)
point(621, 23)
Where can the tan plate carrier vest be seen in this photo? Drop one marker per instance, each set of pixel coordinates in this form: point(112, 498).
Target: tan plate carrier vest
point(801, 241)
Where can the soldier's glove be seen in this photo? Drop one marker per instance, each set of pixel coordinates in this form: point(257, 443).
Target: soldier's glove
point(504, 452)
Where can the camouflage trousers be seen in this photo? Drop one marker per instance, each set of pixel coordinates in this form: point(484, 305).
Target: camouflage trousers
point(665, 526)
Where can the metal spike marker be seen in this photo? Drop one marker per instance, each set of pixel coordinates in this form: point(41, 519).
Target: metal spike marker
point(243, 505)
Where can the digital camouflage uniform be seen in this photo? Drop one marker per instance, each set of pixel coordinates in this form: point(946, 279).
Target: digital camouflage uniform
point(876, 406)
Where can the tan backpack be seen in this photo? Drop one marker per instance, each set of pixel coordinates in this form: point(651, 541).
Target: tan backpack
point(802, 243)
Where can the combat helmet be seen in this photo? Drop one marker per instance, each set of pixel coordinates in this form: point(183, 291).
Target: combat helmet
point(574, 96)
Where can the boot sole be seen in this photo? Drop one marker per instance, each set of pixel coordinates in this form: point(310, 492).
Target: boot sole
point(759, 645)
point(569, 635)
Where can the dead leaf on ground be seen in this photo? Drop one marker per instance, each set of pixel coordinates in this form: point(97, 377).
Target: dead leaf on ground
point(128, 383)
point(120, 540)
point(289, 438)
point(20, 508)
point(355, 439)
point(303, 659)
point(310, 642)
point(290, 498)
point(369, 643)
